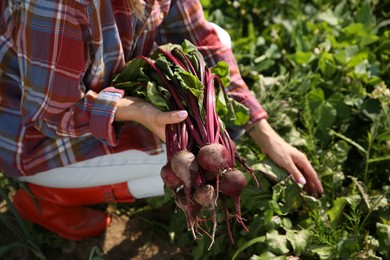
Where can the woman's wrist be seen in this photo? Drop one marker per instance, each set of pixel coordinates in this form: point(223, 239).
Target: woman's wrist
point(261, 132)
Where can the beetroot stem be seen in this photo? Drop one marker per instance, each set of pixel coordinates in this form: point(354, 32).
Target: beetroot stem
point(188, 62)
point(227, 142)
point(245, 164)
point(174, 95)
point(210, 107)
point(201, 127)
point(175, 60)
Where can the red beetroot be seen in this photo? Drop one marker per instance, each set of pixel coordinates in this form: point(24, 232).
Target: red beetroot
point(213, 158)
point(209, 177)
point(232, 184)
point(185, 166)
point(169, 177)
point(205, 196)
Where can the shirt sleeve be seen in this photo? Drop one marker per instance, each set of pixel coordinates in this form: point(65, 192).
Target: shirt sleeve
point(52, 61)
point(186, 21)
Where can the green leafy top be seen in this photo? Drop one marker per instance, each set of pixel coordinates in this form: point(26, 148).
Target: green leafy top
point(185, 70)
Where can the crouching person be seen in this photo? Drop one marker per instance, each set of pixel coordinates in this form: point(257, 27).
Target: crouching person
point(75, 140)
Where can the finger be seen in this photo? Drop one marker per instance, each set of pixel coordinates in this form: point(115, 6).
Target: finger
point(311, 186)
point(311, 189)
point(174, 117)
point(160, 119)
point(310, 174)
point(296, 174)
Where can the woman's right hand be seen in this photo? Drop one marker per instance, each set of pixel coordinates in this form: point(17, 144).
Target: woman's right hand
point(143, 112)
point(286, 156)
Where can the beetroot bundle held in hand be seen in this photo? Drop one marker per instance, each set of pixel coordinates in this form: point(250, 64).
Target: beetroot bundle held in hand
point(201, 157)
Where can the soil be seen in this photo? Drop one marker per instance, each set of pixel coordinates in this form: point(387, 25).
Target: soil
point(128, 237)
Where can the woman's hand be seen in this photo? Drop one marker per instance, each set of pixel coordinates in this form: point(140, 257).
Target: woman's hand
point(143, 112)
point(286, 156)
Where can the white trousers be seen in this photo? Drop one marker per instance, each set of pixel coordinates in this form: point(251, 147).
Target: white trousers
point(140, 170)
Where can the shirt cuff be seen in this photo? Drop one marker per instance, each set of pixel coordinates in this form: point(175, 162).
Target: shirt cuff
point(102, 115)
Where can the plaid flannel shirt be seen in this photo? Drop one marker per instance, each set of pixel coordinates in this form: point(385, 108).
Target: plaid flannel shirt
point(57, 58)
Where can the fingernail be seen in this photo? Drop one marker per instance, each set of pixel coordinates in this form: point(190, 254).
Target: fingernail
point(302, 181)
point(182, 113)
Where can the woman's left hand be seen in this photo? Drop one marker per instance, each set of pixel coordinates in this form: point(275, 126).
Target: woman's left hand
point(143, 112)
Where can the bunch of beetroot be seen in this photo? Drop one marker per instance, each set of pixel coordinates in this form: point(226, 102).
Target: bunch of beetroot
point(201, 157)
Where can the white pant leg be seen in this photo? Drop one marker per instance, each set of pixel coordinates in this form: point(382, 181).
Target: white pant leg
point(140, 170)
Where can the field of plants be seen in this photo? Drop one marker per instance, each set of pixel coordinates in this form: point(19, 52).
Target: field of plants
point(321, 69)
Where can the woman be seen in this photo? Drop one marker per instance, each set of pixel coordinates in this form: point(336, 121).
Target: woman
point(73, 139)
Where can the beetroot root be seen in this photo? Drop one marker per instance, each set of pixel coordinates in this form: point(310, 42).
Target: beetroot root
point(190, 207)
point(232, 184)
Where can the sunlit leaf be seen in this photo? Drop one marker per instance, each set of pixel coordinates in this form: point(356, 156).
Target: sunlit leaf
point(271, 170)
point(277, 244)
point(383, 232)
point(336, 211)
point(327, 64)
point(299, 239)
point(302, 58)
point(267, 256)
point(354, 28)
point(324, 252)
point(384, 136)
point(292, 197)
point(329, 17)
point(357, 58)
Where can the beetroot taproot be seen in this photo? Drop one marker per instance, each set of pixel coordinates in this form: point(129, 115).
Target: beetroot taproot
point(232, 184)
